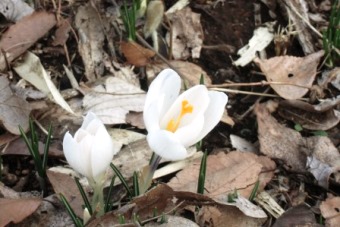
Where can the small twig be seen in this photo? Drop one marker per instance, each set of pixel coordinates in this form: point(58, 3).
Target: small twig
point(261, 83)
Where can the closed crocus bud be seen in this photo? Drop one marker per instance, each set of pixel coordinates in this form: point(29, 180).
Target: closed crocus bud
point(91, 149)
point(175, 122)
point(154, 16)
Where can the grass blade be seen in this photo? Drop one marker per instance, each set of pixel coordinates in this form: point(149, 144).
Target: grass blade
point(201, 177)
point(122, 179)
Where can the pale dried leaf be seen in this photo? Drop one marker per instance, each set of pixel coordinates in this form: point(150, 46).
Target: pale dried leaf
point(15, 210)
point(225, 173)
point(247, 207)
point(261, 39)
point(31, 69)
point(332, 76)
point(22, 35)
point(221, 216)
point(330, 211)
point(269, 204)
point(14, 111)
point(296, 10)
point(171, 221)
point(124, 136)
point(14, 10)
point(187, 34)
point(191, 71)
point(91, 40)
point(114, 101)
point(278, 141)
point(321, 171)
point(300, 71)
point(242, 144)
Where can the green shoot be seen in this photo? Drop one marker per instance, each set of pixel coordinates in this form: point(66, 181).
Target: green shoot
point(83, 195)
point(319, 133)
point(122, 179)
point(121, 219)
point(108, 205)
point(202, 79)
point(298, 127)
point(254, 191)
point(135, 183)
point(33, 148)
point(129, 18)
point(331, 37)
point(201, 177)
point(77, 221)
point(232, 197)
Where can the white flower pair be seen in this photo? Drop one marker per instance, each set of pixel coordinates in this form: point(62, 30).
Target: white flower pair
point(174, 122)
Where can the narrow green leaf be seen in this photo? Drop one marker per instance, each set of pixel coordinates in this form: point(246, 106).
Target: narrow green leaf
point(75, 219)
point(201, 177)
point(202, 79)
point(254, 191)
point(135, 183)
point(108, 206)
point(122, 179)
point(83, 195)
point(47, 148)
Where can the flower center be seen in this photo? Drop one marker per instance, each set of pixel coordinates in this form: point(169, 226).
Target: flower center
point(174, 123)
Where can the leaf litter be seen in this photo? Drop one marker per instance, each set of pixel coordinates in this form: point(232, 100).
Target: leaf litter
point(110, 76)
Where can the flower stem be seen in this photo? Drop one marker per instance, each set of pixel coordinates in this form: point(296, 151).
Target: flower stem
point(98, 204)
point(148, 172)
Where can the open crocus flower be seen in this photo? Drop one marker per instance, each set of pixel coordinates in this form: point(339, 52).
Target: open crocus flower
point(91, 149)
point(175, 122)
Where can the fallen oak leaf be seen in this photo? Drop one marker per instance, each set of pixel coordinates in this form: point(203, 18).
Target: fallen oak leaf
point(291, 70)
point(22, 35)
point(226, 173)
point(135, 54)
point(16, 210)
point(14, 111)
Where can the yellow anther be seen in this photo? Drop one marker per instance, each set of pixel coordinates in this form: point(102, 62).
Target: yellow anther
point(174, 123)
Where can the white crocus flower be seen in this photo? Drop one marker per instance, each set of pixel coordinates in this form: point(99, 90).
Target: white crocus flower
point(175, 122)
point(91, 149)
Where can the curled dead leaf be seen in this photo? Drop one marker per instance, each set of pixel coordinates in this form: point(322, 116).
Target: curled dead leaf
point(135, 54)
point(330, 211)
point(291, 70)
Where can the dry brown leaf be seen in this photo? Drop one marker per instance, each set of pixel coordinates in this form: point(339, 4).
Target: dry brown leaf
point(65, 184)
point(61, 34)
point(161, 199)
point(230, 216)
point(22, 35)
point(225, 173)
point(15, 210)
point(332, 76)
point(91, 40)
point(291, 70)
point(187, 34)
point(172, 220)
point(278, 141)
point(330, 211)
point(308, 116)
point(14, 111)
point(300, 215)
point(135, 54)
point(321, 171)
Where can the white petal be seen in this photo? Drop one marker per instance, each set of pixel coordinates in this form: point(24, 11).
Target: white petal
point(151, 117)
point(102, 152)
point(72, 153)
point(80, 135)
point(84, 157)
point(188, 134)
point(164, 88)
point(197, 96)
point(94, 126)
point(90, 116)
point(166, 145)
point(214, 112)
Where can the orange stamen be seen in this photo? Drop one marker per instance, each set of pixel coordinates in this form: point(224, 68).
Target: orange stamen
point(174, 123)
